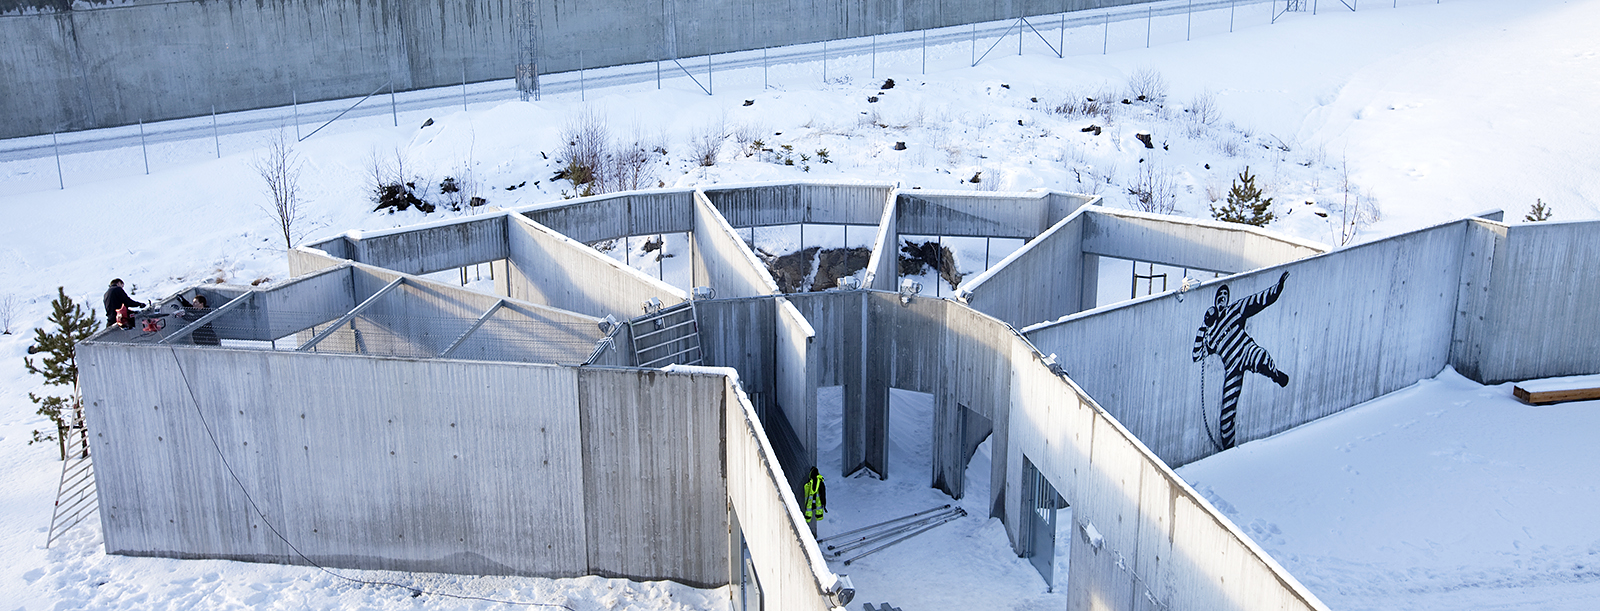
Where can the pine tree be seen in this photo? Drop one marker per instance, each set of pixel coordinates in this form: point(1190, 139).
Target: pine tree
point(60, 365)
point(1539, 212)
point(1245, 204)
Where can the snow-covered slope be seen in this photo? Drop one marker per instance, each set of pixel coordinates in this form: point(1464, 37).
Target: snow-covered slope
point(1432, 110)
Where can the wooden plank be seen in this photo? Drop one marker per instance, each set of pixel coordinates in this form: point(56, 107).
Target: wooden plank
point(1555, 396)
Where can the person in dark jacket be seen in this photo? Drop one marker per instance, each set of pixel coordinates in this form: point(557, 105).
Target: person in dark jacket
point(205, 335)
point(116, 298)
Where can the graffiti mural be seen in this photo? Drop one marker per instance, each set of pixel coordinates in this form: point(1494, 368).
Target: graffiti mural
point(1223, 335)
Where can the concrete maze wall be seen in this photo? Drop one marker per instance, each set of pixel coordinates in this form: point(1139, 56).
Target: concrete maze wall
point(1344, 327)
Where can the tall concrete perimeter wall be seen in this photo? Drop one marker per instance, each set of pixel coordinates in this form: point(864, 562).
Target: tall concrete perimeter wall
point(79, 65)
point(450, 466)
point(1543, 315)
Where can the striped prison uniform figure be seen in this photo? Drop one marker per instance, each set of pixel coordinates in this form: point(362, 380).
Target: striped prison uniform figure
point(1223, 335)
point(816, 497)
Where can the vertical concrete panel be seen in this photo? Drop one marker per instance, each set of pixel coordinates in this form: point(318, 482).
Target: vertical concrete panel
point(961, 213)
point(424, 250)
point(721, 259)
point(1193, 243)
point(547, 268)
point(654, 486)
point(1040, 282)
point(796, 384)
point(1543, 309)
point(883, 268)
point(787, 560)
point(361, 463)
point(1473, 298)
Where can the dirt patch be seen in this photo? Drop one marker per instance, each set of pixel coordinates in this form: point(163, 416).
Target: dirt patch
point(814, 269)
point(836, 263)
point(916, 258)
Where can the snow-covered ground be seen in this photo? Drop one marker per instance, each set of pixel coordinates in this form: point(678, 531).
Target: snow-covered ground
point(1433, 111)
point(1444, 495)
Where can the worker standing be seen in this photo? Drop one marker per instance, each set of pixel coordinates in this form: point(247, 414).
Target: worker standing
point(816, 497)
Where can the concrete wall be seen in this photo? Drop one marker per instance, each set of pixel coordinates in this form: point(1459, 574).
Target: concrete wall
point(1208, 245)
point(961, 213)
point(1543, 310)
point(115, 62)
point(548, 268)
point(796, 385)
point(1041, 281)
point(431, 248)
point(883, 267)
point(608, 217)
point(1349, 326)
point(836, 204)
point(408, 465)
point(722, 260)
point(788, 562)
point(1161, 545)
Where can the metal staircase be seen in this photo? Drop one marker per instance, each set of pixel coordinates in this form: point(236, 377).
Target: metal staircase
point(76, 500)
point(666, 337)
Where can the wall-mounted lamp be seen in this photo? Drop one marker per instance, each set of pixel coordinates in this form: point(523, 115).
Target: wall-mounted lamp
point(701, 293)
point(842, 591)
point(652, 306)
point(608, 325)
point(848, 283)
point(1185, 286)
point(908, 289)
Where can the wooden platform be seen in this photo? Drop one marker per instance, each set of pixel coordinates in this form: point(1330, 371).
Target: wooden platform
point(1543, 392)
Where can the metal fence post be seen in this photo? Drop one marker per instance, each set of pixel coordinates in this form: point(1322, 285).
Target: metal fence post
point(764, 84)
point(1149, 16)
point(394, 113)
point(463, 85)
point(1188, 33)
point(924, 51)
point(294, 96)
point(1105, 38)
point(824, 62)
point(1230, 16)
point(974, 44)
point(144, 150)
point(874, 57)
point(583, 93)
point(710, 72)
point(60, 180)
point(215, 139)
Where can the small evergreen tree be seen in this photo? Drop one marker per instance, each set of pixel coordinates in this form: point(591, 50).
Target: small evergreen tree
point(1539, 212)
point(59, 366)
point(1245, 204)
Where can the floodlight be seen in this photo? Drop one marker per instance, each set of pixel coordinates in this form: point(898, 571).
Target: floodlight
point(1185, 286)
point(848, 283)
point(652, 306)
point(704, 292)
point(608, 325)
point(908, 289)
point(842, 591)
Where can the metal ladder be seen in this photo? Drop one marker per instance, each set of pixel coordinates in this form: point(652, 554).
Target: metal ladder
point(76, 499)
point(670, 336)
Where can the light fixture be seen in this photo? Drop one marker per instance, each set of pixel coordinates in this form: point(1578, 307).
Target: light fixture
point(1185, 286)
point(847, 283)
point(608, 325)
point(652, 306)
point(842, 591)
point(701, 293)
point(908, 289)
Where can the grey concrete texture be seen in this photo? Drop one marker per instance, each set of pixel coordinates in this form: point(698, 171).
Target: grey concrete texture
point(548, 268)
point(448, 466)
point(833, 204)
point(610, 217)
point(1349, 326)
point(104, 63)
point(722, 260)
point(1543, 312)
point(1196, 244)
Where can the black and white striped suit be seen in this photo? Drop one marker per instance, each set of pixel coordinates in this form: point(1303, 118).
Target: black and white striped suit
point(1223, 335)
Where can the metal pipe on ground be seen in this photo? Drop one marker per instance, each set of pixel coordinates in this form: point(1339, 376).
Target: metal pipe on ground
point(879, 537)
point(885, 522)
point(902, 539)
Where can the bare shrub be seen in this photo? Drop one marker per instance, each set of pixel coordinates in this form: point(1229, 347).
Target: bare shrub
point(1147, 85)
point(630, 165)
point(1203, 108)
point(8, 312)
point(705, 144)
point(279, 168)
point(1153, 190)
point(585, 141)
point(1230, 146)
point(391, 183)
point(747, 135)
point(1358, 209)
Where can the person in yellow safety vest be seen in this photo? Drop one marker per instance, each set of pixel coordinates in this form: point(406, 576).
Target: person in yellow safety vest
point(816, 497)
